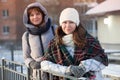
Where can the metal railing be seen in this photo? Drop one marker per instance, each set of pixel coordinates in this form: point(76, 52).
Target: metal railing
point(11, 70)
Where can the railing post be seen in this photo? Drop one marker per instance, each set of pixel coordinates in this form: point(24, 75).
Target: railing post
point(2, 69)
point(51, 76)
point(28, 74)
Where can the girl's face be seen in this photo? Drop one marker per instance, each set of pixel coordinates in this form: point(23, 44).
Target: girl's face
point(68, 27)
point(35, 17)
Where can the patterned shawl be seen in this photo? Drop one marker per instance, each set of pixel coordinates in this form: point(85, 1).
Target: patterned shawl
point(60, 55)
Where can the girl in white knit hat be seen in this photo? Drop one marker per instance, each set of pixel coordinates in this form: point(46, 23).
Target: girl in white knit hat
point(74, 51)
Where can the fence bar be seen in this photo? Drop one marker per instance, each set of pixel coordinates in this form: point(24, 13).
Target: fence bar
point(2, 70)
point(11, 70)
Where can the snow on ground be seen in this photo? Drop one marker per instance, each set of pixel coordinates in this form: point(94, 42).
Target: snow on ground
point(112, 72)
point(18, 55)
point(112, 69)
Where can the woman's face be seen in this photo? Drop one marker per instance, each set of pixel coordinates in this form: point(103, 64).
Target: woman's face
point(35, 17)
point(68, 27)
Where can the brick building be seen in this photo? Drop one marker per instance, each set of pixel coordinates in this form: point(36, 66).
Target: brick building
point(11, 25)
point(11, 12)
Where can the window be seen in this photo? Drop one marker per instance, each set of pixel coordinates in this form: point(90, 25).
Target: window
point(6, 29)
point(5, 13)
point(26, 0)
point(3, 0)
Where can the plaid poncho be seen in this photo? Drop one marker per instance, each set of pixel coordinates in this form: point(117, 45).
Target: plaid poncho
point(60, 55)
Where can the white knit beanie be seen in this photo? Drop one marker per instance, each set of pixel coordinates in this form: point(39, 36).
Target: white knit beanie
point(69, 14)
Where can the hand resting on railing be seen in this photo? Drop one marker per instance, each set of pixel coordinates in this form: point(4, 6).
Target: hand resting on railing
point(34, 64)
point(77, 71)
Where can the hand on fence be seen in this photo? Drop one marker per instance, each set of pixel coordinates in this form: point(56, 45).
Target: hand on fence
point(77, 71)
point(35, 64)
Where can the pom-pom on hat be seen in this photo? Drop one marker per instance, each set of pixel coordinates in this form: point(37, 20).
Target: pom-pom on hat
point(69, 14)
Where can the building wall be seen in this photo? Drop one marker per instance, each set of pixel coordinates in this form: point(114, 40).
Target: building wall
point(13, 20)
point(108, 34)
point(9, 20)
point(16, 8)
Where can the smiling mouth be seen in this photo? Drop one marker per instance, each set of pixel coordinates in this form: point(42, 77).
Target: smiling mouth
point(68, 29)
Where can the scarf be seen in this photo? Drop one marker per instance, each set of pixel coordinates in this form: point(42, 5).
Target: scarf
point(41, 29)
point(69, 44)
point(59, 54)
point(68, 40)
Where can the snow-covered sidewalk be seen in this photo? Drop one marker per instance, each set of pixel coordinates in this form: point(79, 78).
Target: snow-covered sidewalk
point(112, 72)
